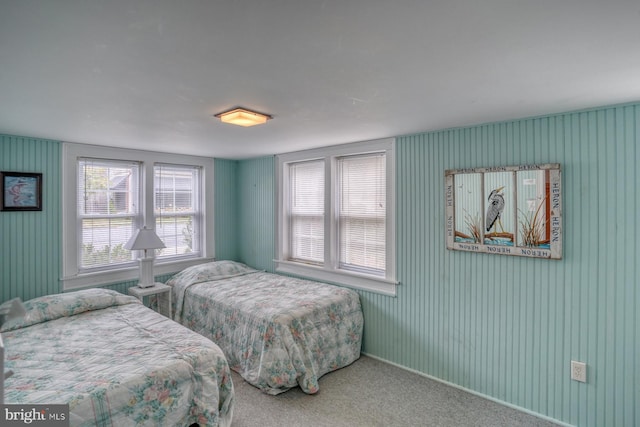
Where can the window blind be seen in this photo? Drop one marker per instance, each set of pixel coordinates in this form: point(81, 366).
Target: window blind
point(306, 211)
point(108, 204)
point(177, 209)
point(362, 213)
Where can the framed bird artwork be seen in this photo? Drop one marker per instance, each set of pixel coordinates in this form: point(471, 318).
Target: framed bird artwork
point(507, 210)
point(21, 191)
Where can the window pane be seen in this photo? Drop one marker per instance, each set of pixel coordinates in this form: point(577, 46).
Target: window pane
point(103, 240)
point(362, 213)
point(175, 187)
point(306, 210)
point(177, 209)
point(177, 234)
point(107, 188)
point(307, 241)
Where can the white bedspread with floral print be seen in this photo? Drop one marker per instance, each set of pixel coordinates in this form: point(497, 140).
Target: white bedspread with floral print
point(116, 363)
point(276, 331)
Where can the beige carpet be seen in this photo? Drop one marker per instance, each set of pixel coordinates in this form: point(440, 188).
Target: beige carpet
point(371, 393)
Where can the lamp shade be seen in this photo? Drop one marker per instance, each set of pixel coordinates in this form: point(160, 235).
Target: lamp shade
point(145, 238)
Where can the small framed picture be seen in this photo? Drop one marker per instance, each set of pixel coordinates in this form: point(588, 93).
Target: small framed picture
point(21, 191)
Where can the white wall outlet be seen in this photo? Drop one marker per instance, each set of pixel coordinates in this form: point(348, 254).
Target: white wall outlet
point(579, 371)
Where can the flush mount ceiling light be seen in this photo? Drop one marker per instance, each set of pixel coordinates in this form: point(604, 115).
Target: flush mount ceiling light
point(242, 117)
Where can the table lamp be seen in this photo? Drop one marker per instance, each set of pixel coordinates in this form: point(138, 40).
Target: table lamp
point(145, 239)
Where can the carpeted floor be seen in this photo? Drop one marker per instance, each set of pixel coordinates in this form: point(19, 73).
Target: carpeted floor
point(371, 393)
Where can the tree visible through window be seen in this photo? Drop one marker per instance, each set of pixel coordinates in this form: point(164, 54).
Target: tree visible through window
point(109, 193)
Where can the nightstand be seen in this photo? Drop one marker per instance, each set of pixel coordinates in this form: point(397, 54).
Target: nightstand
point(157, 289)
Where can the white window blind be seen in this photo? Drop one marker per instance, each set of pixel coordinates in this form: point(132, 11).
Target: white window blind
point(95, 230)
point(336, 215)
point(362, 213)
point(108, 204)
point(177, 208)
point(306, 212)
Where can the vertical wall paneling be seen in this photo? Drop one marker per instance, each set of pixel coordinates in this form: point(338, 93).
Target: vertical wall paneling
point(30, 252)
point(508, 327)
point(29, 260)
point(226, 209)
point(256, 212)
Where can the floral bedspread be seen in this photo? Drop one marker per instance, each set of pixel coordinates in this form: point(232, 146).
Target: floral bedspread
point(277, 332)
point(115, 362)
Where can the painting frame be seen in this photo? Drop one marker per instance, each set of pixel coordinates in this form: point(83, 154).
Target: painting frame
point(21, 191)
point(506, 210)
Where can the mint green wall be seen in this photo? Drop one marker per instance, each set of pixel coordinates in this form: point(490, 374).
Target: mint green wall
point(30, 251)
point(256, 193)
point(29, 262)
point(508, 327)
point(226, 209)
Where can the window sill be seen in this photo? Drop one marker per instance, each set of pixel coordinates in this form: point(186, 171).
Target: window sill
point(89, 280)
point(352, 280)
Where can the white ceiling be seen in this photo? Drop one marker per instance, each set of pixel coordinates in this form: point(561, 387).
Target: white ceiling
point(151, 74)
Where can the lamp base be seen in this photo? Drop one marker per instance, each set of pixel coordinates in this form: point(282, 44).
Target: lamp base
point(146, 273)
point(145, 285)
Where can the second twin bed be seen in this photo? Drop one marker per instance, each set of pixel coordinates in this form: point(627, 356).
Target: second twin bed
point(277, 332)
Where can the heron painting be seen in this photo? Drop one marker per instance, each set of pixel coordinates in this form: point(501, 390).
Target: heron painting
point(494, 209)
point(499, 206)
point(505, 210)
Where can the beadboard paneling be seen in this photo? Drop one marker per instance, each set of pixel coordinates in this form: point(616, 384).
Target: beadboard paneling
point(30, 256)
point(226, 209)
point(508, 327)
point(256, 212)
point(29, 261)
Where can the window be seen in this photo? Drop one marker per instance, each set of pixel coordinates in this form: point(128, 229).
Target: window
point(306, 215)
point(108, 203)
point(336, 215)
point(106, 199)
point(177, 210)
point(362, 213)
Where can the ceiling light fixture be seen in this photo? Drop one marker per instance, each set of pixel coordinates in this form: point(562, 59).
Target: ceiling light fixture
point(242, 117)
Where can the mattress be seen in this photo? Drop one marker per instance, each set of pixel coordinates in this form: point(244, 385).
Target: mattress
point(115, 362)
point(277, 332)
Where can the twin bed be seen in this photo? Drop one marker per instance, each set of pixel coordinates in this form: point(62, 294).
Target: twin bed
point(277, 332)
point(116, 362)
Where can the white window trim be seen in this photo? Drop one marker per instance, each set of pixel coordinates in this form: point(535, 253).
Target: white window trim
point(329, 272)
point(71, 277)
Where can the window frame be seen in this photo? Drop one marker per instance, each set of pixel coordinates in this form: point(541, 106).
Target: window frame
point(72, 277)
point(329, 271)
point(82, 216)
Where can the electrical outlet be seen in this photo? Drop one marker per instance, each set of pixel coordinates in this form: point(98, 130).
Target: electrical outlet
point(579, 371)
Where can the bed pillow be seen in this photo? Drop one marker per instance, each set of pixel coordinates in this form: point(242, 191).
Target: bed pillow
point(50, 307)
point(210, 271)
